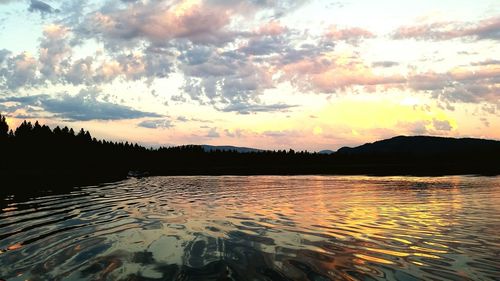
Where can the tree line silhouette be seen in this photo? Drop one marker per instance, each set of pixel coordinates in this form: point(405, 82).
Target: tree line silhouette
point(35, 152)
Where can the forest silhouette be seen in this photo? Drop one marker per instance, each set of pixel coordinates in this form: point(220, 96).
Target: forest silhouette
point(35, 153)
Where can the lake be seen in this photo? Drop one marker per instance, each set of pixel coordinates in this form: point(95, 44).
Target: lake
point(257, 228)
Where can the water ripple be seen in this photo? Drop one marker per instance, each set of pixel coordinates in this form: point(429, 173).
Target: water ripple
point(257, 228)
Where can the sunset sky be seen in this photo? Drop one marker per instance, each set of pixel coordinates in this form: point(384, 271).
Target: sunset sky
point(259, 73)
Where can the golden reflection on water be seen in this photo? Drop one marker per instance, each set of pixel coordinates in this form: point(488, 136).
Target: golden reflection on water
point(299, 228)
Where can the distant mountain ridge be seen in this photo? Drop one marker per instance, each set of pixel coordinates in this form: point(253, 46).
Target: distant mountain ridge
point(241, 149)
point(424, 145)
point(395, 145)
point(211, 148)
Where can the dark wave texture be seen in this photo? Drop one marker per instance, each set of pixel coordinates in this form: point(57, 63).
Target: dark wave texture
point(257, 228)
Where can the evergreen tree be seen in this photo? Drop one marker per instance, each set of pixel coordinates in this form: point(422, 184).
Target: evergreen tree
point(4, 127)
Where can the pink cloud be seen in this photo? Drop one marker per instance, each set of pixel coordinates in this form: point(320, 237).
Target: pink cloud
point(272, 28)
point(158, 22)
point(332, 73)
point(351, 34)
point(484, 29)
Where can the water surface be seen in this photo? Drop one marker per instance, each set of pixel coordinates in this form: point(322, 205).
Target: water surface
point(257, 228)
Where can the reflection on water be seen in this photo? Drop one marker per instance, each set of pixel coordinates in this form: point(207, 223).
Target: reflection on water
point(257, 228)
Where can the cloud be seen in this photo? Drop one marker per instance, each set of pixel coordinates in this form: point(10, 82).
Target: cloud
point(415, 127)
point(55, 64)
point(42, 7)
point(272, 28)
point(230, 54)
point(327, 73)
point(470, 85)
point(487, 29)
point(442, 125)
point(223, 79)
point(182, 119)
point(18, 71)
point(265, 45)
point(54, 51)
point(4, 54)
point(244, 108)
point(281, 134)
point(333, 73)
point(156, 124)
point(278, 8)
point(212, 133)
point(149, 40)
point(81, 72)
point(84, 106)
point(486, 63)
point(352, 35)
point(485, 121)
point(157, 21)
point(385, 64)
point(237, 133)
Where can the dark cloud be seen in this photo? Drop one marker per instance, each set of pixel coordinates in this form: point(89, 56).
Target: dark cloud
point(84, 106)
point(42, 7)
point(156, 124)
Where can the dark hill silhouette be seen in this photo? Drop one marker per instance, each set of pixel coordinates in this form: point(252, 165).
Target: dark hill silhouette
point(423, 145)
point(36, 155)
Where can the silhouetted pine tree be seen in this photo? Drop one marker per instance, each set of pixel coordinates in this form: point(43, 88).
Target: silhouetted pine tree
point(4, 127)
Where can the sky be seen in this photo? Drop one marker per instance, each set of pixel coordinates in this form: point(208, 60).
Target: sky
point(271, 74)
